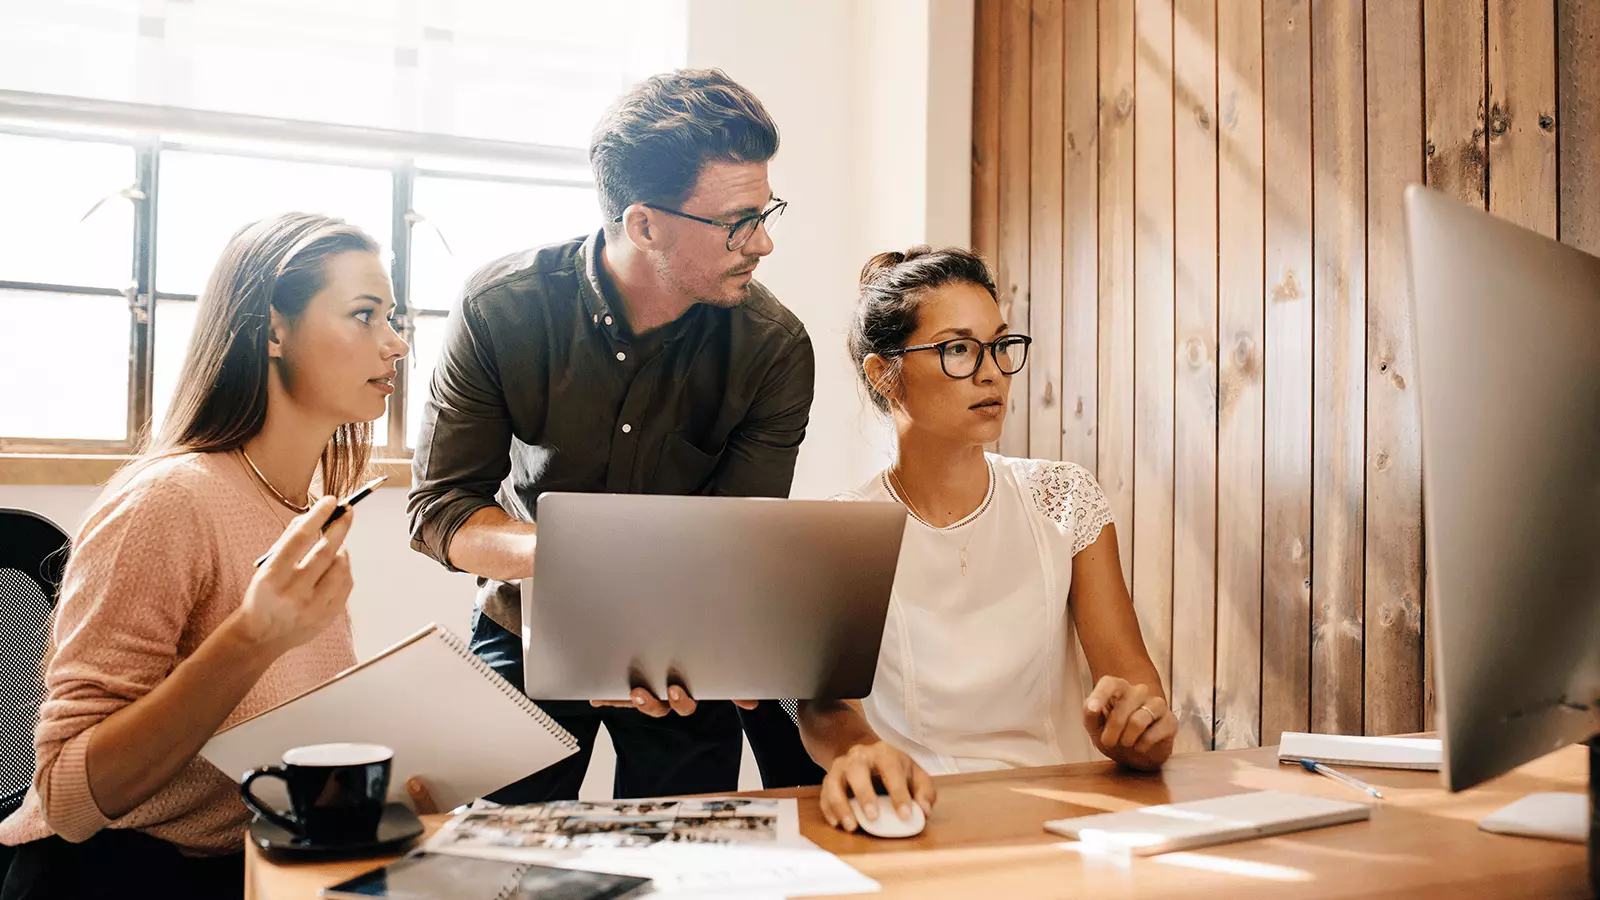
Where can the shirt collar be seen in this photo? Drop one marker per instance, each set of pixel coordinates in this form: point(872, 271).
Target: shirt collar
point(604, 314)
point(592, 287)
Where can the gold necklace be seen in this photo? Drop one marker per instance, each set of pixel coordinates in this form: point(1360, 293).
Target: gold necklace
point(899, 490)
point(281, 498)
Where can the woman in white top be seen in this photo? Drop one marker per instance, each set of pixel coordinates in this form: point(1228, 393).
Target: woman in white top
point(1009, 566)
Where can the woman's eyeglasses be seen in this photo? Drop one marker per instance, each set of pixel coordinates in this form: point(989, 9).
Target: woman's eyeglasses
point(961, 357)
point(740, 232)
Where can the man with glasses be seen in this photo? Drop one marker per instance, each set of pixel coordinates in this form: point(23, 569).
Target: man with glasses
point(643, 358)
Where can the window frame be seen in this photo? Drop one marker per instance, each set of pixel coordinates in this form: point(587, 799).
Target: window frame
point(150, 131)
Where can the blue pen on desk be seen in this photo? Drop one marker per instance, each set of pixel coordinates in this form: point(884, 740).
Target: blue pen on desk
point(1312, 765)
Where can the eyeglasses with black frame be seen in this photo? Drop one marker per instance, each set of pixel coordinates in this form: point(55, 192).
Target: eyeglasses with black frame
point(962, 357)
point(740, 232)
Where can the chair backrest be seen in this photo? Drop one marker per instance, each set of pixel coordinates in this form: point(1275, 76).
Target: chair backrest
point(33, 554)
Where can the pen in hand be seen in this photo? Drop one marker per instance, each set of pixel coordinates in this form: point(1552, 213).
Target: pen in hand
point(340, 510)
point(1312, 765)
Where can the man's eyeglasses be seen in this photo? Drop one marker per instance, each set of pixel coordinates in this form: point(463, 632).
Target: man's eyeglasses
point(740, 232)
point(961, 357)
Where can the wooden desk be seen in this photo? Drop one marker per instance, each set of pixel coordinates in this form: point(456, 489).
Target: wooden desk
point(985, 839)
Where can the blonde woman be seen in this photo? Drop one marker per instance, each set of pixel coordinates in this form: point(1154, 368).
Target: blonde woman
point(165, 631)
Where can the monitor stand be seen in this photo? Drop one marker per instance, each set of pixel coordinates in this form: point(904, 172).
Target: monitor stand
point(1558, 817)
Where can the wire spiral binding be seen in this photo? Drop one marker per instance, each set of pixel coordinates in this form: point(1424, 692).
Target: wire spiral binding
point(507, 688)
point(513, 888)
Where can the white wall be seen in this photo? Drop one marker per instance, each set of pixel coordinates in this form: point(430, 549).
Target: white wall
point(874, 103)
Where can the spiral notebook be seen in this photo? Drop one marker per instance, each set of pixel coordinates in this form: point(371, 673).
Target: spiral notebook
point(448, 717)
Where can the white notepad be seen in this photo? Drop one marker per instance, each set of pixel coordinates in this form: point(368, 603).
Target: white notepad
point(1425, 754)
point(448, 717)
point(1203, 823)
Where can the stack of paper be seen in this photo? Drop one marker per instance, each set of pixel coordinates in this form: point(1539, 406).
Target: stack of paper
point(718, 847)
point(1426, 754)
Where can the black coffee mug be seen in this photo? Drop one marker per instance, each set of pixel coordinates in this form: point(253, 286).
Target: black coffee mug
point(336, 792)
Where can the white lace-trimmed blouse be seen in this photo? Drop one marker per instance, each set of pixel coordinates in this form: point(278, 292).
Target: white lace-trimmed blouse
point(979, 669)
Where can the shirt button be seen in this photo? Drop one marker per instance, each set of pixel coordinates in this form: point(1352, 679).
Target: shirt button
point(621, 356)
point(597, 320)
point(626, 428)
point(608, 320)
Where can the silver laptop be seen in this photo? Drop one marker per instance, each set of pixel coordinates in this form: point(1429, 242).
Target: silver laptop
point(731, 597)
point(1508, 357)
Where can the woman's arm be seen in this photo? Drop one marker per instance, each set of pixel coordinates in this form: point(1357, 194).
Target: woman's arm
point(122, 720)
point(837, 736)
point(135, 751)
point(1126, 714)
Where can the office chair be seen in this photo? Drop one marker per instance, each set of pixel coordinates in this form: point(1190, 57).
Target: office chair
point(33, 554)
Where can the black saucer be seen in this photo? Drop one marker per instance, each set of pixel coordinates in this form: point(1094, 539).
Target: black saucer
point(399, 824)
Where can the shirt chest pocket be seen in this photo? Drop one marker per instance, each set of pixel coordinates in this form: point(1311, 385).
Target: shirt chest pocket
point(684, 468)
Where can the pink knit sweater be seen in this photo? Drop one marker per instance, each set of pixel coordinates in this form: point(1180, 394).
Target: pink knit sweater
point(158, 565)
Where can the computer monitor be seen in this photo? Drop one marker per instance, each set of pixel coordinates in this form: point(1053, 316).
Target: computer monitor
point(1507, 326)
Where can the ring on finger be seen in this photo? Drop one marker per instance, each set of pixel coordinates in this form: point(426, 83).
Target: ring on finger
point(1147, 709)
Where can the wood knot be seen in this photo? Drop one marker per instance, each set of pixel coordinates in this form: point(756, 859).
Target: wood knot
point(1243, 351)
point(1196, 353)
point(1381, 461)
point(1430, 149)
point(1202, 117)
point(1124, 103)
point(1287, 289)
point(1547, 122)
point(1049, 394)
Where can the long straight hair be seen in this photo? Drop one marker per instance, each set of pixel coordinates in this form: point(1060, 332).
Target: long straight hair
point(221, 398)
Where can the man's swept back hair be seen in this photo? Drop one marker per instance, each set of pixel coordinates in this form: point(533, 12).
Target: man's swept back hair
point(651, 144)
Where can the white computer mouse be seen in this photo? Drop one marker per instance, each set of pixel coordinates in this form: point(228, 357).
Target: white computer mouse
point(889, 824)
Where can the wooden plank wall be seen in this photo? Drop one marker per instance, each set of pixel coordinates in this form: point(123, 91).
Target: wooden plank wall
point(1194, 208)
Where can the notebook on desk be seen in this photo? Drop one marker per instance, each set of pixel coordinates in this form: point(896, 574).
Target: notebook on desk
point(1424, 754)
point(1203, 823)
point(448, 717)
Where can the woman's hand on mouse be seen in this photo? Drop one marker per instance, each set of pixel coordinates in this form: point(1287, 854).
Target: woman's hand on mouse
point(1129, 723)
point(852, 774)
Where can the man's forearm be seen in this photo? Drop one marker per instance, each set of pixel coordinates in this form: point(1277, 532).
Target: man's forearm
point(829, 728)
point(494, 545)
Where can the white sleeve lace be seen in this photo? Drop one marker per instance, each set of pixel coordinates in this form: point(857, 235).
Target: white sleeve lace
point(1066, 493)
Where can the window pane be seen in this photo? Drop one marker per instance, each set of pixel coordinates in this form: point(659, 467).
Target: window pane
point(205, 198)
point(482, 220)
point(297, 59)
point(48, 185)
point(174, 325)
point(82, 48)
point(64, 361)
point(425, 344)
